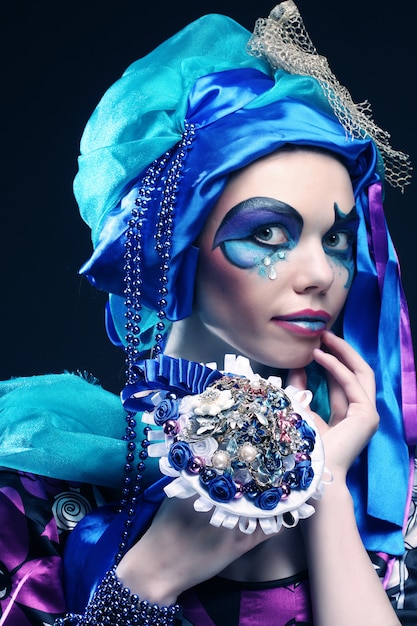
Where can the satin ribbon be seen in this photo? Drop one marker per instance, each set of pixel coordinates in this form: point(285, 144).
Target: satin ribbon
point(174, 375)
point(374, 332)
point(380, 241)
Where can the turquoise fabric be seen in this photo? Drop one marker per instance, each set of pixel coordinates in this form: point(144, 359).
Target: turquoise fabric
point(62, 426)
point(142, 114)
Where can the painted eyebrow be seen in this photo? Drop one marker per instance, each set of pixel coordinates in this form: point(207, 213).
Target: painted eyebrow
point(351, 220)
point(261, 210)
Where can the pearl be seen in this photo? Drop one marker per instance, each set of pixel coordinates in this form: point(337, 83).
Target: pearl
point(240, 491)
point(247, 452)
point(197, 465)
point(302, 456)
point(170, 427)
point(220, 459)
point(286, 491)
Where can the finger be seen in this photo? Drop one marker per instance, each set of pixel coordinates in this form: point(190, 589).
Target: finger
point(361, 417)
point(352, 360)
point(338, 401)
point(347, 379)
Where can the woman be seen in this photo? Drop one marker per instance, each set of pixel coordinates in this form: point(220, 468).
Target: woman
point(242, 204)
point(254, 210)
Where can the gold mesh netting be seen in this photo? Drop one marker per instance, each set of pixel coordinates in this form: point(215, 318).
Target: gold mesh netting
point(282, 40)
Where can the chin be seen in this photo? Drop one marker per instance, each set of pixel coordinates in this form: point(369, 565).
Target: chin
point(293, 363)
point(274, 355)
point(296, 361)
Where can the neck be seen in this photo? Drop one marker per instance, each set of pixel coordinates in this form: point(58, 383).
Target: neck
point(190, 339)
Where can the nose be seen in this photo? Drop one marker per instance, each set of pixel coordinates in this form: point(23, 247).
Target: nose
point(313, 270)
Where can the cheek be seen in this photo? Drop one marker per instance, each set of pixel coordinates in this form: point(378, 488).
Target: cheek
point(215, 278)
point(222, 288)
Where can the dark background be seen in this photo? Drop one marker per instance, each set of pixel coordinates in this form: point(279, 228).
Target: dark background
point(57, 60)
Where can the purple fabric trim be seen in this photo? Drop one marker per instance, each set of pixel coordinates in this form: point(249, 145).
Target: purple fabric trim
point(390, 560)
point(379, 231)
point(408, 375)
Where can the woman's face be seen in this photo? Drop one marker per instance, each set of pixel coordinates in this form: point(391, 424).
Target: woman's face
point(276, 257)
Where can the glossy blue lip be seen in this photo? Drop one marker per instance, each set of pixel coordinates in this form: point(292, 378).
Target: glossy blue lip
point(307, 322)
point(302, 326)
point(311, 324)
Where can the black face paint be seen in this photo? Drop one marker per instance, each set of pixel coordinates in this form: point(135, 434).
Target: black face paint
point(340, 239)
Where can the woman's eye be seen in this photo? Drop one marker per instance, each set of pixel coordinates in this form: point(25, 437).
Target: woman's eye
point(338, 241)
point(271, 235)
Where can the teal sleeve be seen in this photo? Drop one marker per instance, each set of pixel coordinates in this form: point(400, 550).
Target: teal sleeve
point(62, 426)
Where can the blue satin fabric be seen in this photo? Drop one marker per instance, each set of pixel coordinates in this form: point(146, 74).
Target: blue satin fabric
point(371, 326)
point(141, 115)
point(92, 546)
point(178, 376)
point(62, 426)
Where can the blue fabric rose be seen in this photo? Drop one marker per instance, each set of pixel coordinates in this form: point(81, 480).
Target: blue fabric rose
point(166, 410)
point(222, 489)
point(179, 455)
point(268, 499)
point(306, 431)
point(305, 474)
point(292, 479)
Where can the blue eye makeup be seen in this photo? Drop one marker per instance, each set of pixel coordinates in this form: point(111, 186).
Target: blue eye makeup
point(258, 227)
point(259, 231)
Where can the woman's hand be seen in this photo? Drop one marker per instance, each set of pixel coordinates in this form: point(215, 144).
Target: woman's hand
point(179, 550)
point(345, 589)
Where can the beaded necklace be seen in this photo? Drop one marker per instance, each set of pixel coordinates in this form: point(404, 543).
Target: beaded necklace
point(174, 159)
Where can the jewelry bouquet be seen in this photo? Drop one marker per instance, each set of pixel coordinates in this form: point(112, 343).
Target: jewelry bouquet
point(247, 447)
